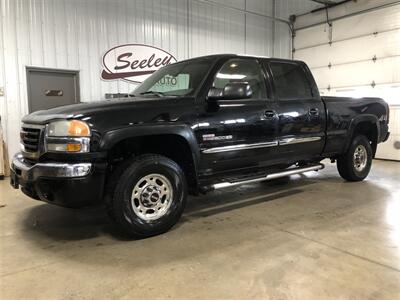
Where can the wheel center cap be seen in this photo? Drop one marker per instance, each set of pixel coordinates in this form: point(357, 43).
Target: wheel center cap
point(150, 196)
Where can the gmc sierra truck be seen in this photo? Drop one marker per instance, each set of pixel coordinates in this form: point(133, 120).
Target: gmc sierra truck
point(192, 127)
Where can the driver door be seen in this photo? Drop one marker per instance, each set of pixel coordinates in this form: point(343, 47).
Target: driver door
point(240, 133)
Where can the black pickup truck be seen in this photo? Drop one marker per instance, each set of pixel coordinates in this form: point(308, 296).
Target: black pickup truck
point(192, 127)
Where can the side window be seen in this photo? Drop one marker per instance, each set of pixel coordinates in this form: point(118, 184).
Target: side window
point(241, 70)
point(290, 81)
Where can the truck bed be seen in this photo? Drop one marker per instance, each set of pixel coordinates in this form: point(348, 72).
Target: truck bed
point(343, 113)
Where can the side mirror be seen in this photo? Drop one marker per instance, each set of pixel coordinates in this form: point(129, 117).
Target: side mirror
point(231, 91)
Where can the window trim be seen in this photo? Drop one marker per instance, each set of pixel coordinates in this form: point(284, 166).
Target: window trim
point(313, 96)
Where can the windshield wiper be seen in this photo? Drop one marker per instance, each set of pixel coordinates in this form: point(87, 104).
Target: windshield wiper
point(159, 94)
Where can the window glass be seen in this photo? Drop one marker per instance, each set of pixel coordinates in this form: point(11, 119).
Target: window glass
point(170, 83)
point(178, 79)
point(240, 70)
point(290, 81)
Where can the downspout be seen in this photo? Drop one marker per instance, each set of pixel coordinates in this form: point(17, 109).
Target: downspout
point(292, 20)
point(245, 26)
point(273, 27)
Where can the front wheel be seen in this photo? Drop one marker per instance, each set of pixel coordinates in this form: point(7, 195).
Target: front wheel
point(355, 164)
point(149, 197)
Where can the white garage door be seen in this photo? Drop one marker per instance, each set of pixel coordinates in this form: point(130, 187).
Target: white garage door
point(358, 56)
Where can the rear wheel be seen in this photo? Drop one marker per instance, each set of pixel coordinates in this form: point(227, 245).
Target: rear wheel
point(149, 197)
point(355, 164)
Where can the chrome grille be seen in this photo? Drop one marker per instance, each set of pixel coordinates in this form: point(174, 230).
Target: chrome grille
point(31, 140)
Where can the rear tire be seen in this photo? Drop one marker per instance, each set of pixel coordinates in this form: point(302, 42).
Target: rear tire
point(149, 196)
point(355, 164)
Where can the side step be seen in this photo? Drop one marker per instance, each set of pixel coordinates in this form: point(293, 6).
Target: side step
point(271, 176)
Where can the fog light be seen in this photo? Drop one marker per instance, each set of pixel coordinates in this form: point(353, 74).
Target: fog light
point(80, 170)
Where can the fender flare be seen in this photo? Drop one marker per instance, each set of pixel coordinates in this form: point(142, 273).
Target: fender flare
point(112, 137)
point(357, 120)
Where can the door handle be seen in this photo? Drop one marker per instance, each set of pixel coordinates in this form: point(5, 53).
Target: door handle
point(269, 114)
point(313, 111)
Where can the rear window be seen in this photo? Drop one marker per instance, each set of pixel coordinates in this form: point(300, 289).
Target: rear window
point(290, 81)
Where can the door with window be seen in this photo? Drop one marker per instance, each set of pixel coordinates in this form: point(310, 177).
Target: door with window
point(300, 109)
point(235, 133)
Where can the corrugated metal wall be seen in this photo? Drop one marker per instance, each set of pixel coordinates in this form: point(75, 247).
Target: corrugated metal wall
point(73, 34)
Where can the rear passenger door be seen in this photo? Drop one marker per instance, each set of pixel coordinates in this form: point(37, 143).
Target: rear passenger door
point(301, 111)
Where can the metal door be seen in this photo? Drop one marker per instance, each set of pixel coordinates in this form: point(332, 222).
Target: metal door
point(301, 112)
point(48, 88)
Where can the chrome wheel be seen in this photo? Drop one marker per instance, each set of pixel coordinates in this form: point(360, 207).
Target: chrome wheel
point(152, 197)
point(360, 158)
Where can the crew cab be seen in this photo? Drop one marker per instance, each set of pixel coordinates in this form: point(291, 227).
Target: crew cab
point(192, 127)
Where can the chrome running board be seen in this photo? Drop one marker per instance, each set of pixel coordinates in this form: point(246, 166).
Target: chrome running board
point(271, 176)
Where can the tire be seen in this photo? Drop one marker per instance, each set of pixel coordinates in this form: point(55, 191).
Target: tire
point(149, 195)
point(355, 164)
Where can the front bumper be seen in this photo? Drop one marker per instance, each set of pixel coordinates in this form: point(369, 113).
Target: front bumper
point(65, 184)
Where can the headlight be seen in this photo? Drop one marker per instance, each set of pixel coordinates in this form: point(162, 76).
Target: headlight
point(68, 128)
point(68, 136)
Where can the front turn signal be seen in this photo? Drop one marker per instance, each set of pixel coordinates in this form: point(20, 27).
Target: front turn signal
point(74, 147)
point(78, 128)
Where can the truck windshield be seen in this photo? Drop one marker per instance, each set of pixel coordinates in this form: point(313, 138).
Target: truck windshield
point(179, 79)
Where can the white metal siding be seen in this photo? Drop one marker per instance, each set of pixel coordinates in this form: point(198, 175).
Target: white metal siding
point(360, 56)
point(73, 34)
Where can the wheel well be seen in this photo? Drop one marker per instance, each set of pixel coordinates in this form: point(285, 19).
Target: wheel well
point(172, 146)
point(370, 131)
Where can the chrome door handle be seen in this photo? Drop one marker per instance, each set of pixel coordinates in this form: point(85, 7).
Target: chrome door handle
point(269, 114)
point(313, 111)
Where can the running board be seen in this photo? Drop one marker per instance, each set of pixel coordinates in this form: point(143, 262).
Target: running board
point(271, 176)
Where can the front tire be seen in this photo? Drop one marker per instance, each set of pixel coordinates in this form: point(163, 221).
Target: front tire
point(149, 196)
point(355, 164)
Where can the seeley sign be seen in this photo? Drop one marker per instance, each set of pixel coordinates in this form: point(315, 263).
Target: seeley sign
point(134, 62)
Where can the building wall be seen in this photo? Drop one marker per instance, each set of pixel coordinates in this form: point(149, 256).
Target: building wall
point(286, 8)
point(73, 34)
point(357, 56)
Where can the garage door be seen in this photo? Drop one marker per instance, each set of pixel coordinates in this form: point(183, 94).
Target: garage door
point(358, 56)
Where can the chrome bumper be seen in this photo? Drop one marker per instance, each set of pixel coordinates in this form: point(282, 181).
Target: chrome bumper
point(27, 172)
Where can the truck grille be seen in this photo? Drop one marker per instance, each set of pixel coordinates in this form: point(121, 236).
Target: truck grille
point(31, 140)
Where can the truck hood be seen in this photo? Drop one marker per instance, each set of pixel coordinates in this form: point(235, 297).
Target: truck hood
point(108, 114)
